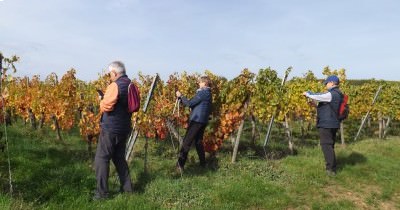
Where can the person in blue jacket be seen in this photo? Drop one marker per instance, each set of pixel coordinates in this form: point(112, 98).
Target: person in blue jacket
point(327, 119)
point(200, 105)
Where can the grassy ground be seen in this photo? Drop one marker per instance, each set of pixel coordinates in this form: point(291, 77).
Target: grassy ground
point(48, 174)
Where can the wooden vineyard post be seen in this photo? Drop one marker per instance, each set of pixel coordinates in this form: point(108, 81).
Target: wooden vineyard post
point(55, 121)
point(380, 120)
point(342, 133)
point(32, 119)
point(41, 120)
point(387, 127)
point(236, 145)
point(289, 135)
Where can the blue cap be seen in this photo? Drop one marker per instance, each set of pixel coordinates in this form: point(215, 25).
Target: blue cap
point(332, 78)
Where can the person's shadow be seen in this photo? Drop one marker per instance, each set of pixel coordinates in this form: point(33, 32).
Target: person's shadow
point(353, 159)
point(143, 180)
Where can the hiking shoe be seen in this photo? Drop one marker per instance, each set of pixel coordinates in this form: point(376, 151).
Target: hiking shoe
point(330, 173)
point(98, 197)
point(129, 191)
point(179, 169)
point(203, 164)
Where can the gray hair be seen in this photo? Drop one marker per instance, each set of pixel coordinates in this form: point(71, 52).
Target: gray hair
point(118, 67)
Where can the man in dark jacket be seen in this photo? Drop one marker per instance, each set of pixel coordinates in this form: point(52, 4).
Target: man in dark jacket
point(201, 108)
point(327, 119)
point(115, 128)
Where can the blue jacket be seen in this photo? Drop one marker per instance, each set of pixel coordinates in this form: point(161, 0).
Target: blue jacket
point(200, 105)
point(327, 112)
point(118, 121)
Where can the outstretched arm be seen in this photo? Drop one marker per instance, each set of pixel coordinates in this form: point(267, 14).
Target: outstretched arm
point(193, 101)
point(320, 97)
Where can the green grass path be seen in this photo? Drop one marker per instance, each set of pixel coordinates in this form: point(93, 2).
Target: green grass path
point(48, 174)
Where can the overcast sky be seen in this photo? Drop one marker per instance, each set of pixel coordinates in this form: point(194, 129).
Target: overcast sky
point(167, 36)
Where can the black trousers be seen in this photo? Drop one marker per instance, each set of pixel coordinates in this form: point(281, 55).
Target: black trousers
point(327, 141)
point(111, 147)
point(194, 133)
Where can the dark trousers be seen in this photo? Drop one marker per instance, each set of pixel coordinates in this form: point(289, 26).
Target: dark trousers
point(111, 147)
point(194, 133)
point(327, 140)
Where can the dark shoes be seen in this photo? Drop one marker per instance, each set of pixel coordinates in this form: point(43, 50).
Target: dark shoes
point(178, 170)
point(98, 197)
point(126, 191)
point(331, 173)
point(203, 164)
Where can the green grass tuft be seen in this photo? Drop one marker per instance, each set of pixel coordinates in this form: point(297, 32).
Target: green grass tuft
point(49, 174)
